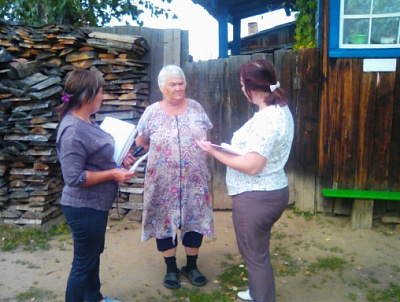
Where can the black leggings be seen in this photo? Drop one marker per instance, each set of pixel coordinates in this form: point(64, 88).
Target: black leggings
point(191, 239)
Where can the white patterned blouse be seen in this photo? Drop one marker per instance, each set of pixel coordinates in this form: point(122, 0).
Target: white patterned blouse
point(270, 133)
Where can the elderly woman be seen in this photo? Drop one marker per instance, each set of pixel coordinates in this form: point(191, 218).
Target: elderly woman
point(176, 195)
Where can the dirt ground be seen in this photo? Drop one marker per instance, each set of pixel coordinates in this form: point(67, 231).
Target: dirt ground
point(133, 271)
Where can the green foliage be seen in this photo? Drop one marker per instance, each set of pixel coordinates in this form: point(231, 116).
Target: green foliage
point(305, 21)
point(78, 12)
point(306, 214)
point(29, 238)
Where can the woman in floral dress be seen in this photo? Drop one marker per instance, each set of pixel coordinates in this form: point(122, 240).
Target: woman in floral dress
point(176, 195)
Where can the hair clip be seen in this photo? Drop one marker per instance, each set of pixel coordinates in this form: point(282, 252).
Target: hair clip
point(273, 87)
point(66, 98)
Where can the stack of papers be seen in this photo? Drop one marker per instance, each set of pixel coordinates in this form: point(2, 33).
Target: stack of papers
point(124, 134)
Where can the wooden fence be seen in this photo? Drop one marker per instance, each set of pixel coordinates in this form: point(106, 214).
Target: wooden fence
point(215, 84)
point(347, 123)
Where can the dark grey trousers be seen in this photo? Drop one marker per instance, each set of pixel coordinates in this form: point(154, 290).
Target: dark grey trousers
point(254, 213)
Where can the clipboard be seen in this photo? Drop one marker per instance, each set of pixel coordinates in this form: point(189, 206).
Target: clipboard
point(227, 148)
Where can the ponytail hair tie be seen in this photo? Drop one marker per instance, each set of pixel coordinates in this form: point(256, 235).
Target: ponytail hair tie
point(273, 87)
point(66, 98)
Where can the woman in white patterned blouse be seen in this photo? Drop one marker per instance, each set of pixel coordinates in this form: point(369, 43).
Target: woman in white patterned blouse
point(256, 180)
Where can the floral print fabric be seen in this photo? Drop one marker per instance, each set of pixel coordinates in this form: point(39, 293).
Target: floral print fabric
point(176, 191)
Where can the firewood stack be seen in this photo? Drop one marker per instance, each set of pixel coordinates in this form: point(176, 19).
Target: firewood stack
point(34, 62)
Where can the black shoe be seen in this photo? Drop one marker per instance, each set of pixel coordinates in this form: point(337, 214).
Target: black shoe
point(195, 276)
point(171, 280)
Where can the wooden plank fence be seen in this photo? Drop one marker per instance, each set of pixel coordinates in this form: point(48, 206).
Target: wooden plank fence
point(347, 123)
point(215, 84)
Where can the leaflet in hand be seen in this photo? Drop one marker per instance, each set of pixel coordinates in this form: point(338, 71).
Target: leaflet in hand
point(123, 133)
point(138, 162)
point(227, 148)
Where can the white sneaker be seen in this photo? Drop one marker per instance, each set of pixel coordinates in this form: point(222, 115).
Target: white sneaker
point(245, 295)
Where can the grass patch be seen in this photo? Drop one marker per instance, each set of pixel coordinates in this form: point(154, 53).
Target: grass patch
point(233, 277)
point(389, 294)
point(279, 235)
point(35, 294)
point(196, 295)
point(352, 296)
point(30, 239)
point(305, 214)
point(284, 264)
point(327, 263)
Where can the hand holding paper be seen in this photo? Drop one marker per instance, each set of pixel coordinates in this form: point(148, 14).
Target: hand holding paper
point(227, 148)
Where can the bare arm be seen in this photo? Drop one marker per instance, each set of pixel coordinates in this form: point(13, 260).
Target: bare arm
point(251, 163)
point(142, 141)
point(120, 175)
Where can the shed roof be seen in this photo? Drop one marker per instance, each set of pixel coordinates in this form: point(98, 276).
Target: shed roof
point(244, 8)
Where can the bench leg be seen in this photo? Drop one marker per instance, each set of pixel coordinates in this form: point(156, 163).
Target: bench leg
point(361, 215)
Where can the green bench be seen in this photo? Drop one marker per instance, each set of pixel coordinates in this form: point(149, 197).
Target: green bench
point(361, 214)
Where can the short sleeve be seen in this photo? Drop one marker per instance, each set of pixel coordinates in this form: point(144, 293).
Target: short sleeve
point(142, 126)
point(206, 123)
point(72, 156)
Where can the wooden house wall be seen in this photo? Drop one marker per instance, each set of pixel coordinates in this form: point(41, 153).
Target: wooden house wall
point(282, 36)
point(359, 135)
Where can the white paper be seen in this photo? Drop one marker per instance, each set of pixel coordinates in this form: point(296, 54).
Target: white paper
point(123, 133)
point(227, 148)
point(138, 162)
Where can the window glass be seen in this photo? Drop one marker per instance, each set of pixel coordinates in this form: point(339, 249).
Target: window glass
point(357, 7)
point(370, 24)
point(386, 6)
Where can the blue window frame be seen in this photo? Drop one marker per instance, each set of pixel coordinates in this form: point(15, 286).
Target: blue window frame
point(364, 29)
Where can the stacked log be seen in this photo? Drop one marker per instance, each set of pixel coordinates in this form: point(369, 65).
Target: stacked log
point(34, 62)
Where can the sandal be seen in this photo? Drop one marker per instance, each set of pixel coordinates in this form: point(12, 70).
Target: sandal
point(171, 280)
point(194, 276)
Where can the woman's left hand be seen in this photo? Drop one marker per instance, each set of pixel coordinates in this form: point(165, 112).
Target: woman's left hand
point(128, 161)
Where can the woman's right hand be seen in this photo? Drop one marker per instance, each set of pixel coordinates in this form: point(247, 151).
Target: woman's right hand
point(122, 175)
point(206, 146)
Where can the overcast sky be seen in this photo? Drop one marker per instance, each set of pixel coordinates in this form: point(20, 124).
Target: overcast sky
point(203, 28)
